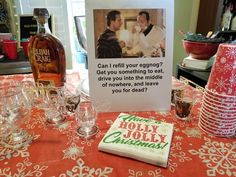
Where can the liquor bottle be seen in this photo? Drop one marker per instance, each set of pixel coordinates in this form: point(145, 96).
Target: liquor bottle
point(46, 53)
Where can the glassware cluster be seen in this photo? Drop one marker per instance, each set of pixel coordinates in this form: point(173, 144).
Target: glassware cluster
point(57, 103)
point(15, 110)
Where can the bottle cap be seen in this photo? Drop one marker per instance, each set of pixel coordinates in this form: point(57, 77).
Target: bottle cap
point(41, 12)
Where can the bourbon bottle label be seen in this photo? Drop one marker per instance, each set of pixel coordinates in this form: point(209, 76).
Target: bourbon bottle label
point(42, 55)
point(47, 58)
point(46, 53)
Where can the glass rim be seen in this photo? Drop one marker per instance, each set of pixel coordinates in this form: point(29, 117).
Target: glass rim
point(219, 94)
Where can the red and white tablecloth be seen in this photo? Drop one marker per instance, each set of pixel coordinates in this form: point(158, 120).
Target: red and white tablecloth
point(58, 151)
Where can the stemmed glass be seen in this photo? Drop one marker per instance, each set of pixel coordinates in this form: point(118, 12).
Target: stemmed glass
point(55, 109)
point(72, 98)
point(86, 118)
point(15, 109)
point(4, 125)
point(35, 91)
point(60, 102)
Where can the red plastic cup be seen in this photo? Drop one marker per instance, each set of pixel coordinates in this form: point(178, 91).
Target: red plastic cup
point(222, 77)
point(25, 45)
point(10, 49)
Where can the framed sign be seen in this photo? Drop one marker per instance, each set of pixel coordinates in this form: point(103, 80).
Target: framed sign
point(130, 55)
point(28, 25)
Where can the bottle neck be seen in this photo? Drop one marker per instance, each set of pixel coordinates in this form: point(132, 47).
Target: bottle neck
point(43, 27)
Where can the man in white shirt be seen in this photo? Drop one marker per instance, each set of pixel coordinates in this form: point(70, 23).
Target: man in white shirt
point(148, 38)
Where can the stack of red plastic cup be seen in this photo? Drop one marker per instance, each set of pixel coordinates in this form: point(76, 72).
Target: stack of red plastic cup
point(218, 110)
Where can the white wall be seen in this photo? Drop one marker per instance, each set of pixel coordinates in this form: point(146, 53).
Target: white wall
point(62, 19)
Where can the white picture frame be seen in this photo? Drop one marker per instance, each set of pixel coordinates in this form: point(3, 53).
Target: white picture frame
point(129, 89)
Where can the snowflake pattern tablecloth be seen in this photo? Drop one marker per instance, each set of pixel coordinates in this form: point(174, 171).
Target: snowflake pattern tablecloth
point(58, 151)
